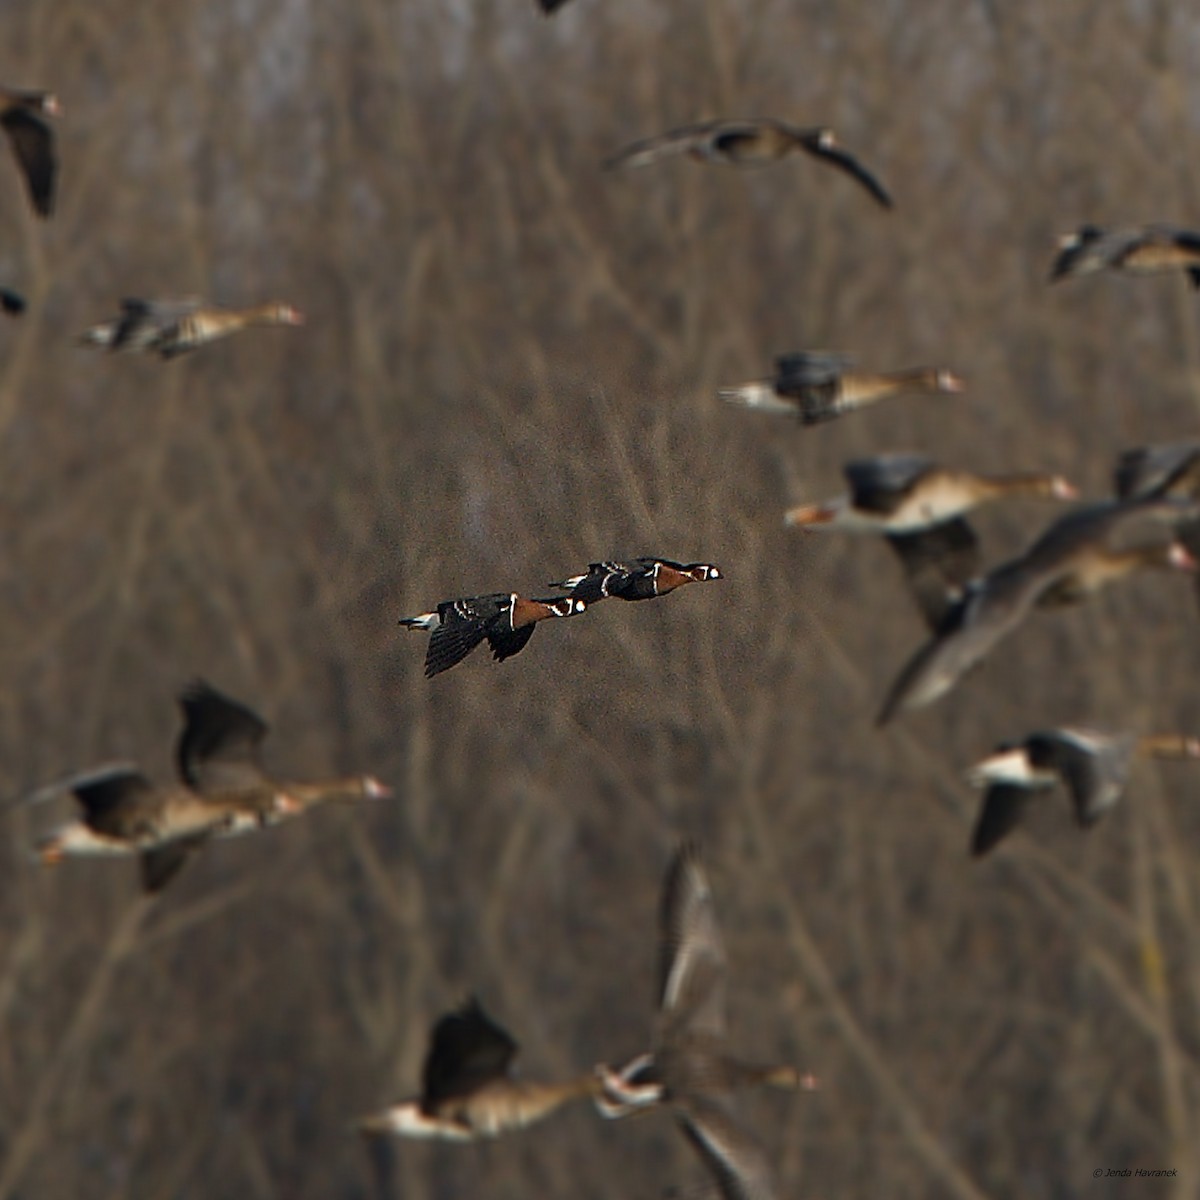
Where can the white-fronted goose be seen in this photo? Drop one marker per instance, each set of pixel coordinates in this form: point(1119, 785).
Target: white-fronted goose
point(172, 327)
point(504, 619)
point(641, 579)
point(1141, 249)
point(918, 507)
point(218, 754)
point(467, 1090)
point(1079, 554)
point(12, 303)
point(32, 142)
point(745, 142)
point(817, 386)
point(689, 1066)
point(124, 813)
point(1092, 764)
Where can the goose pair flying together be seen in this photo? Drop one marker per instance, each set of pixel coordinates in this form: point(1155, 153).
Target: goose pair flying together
point(506, 620)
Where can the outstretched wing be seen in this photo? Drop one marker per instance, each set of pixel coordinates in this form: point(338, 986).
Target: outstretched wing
point(507, 642)
point(1003, 806)
point(823, 145)
point(692, 965)
point(450, 644)
point(1093, 766)
point(218, 749)
point(672, 144)
point(881, 484)
point(32, 142)
point(121, 803)
point(737, 1162)
point(467, 1049)
point(938, 564)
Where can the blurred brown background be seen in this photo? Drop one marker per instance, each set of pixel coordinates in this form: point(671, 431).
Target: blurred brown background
point(510, 369)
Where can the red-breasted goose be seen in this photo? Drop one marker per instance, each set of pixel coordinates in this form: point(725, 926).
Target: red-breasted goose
point(640, 579)
point(1092, 764)
point(746, 142)
point(467, 1089)
point(818, 385)
point(504, 620)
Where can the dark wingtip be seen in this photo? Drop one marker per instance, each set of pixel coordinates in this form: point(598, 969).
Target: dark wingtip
point(11, 302)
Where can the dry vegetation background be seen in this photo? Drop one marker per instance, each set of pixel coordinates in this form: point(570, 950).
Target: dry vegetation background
point(509, 370)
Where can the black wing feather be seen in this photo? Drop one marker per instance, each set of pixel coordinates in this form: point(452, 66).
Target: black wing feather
point(32, 142)
point(467, 1049)
point(507, 642)
point(1003, 806)
point(219, 746)
point(938, 564)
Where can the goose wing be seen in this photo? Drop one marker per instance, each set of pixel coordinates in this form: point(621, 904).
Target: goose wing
point(121, 803)
point(938, 564)
point(672, 144)
point(1093, 765)
point(822, 144)
point(882, 484)
point(736, 1161)
point(32, 142)
point(218, 748)
point(693, 965)
point(467, 1049)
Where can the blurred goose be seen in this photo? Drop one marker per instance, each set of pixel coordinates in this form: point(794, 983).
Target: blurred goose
point(124, 813)
point(467, 1090)
point(689, 1066)
point(745, 142)
point(1141, 249)
point(641, 579)
point(172, 327)
point(918, 507)
point(12, 303)
point(32, 142)
point(504, 619)
point(1166, 471)
point(218, 754)
point(1093, 765)
point(1079, 554)
point(818, 386)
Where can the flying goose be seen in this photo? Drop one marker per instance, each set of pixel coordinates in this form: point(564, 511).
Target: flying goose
point(688, 1065)
point(172, 327)
point(218, 754)
point(641, 579)
point(467, 1089)
point(919, 507)
point(32, 142)
point(743, 142)
point(124, 813)
point(1141, 249)
point(504, 619)
point(818, 385)
point(1079, 554)
point(1092, 764)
